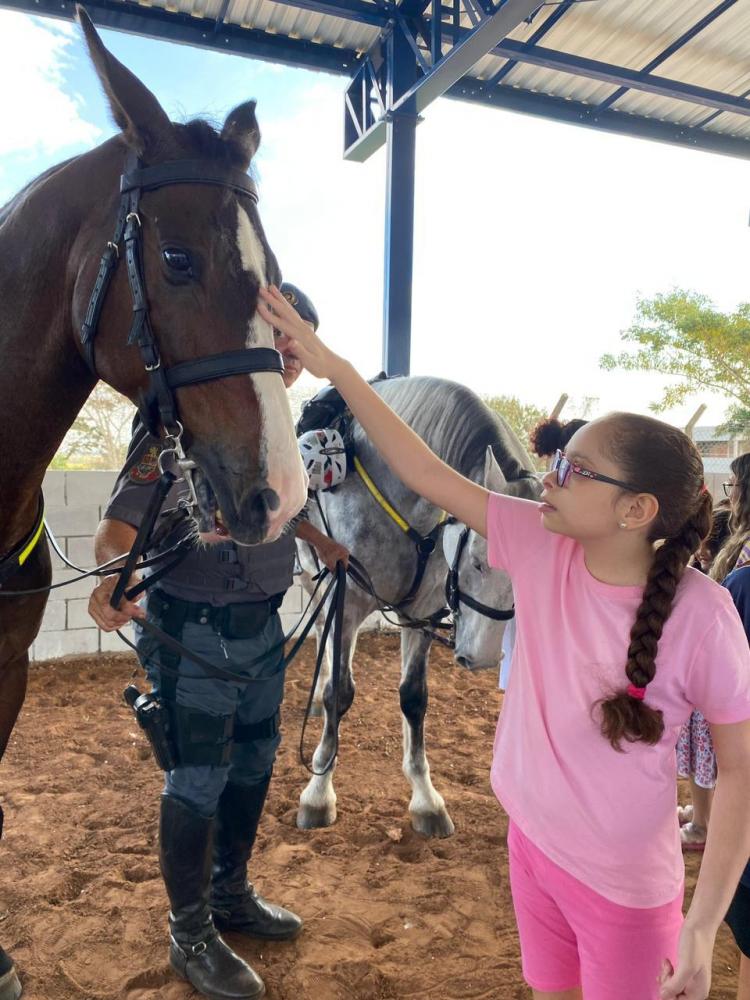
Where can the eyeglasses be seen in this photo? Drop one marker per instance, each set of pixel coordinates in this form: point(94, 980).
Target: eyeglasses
point(564, 468)
point(728, 487)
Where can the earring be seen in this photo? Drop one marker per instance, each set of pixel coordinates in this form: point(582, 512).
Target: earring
point(622, 524)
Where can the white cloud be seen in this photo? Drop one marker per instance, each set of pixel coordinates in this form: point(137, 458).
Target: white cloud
point(40, 116)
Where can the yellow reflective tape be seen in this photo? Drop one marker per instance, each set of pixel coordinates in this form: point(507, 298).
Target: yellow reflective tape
point(391, 511)
point(30, 547)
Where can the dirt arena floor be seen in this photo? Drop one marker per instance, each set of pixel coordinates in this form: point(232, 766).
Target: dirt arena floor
point(388, 913)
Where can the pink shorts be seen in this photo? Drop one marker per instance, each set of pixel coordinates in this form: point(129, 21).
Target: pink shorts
point(573, 937)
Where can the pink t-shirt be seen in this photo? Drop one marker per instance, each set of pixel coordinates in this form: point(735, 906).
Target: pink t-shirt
point(608, 818)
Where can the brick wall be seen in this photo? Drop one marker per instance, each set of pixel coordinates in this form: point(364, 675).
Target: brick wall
point(74, 502)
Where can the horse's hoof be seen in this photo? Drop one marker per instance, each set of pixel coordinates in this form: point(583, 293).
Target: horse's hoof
point(315, 817)
point(437, 824)
point(10, 986)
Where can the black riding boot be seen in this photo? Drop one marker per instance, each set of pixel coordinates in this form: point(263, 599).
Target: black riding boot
point(10, 987)
point(197, 951)
point(235, 904)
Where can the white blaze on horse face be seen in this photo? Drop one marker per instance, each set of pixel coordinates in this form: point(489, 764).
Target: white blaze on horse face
point(286, 474)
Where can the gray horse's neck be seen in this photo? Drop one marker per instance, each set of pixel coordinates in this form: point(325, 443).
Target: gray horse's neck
point(43, 381)
point(454, 423)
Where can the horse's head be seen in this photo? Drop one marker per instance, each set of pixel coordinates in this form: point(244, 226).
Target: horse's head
point(478, 636)
point(204, 256)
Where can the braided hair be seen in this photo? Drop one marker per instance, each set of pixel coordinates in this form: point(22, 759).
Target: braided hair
point(551, 434)
point(666, 463)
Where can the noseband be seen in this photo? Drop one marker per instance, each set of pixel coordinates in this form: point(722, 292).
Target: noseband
point(158, 405)
point(455, 597)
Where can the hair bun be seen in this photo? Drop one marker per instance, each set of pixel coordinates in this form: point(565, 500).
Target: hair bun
point(547, 437)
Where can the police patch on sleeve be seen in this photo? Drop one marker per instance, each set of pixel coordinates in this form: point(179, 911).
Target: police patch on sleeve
point(146, 469)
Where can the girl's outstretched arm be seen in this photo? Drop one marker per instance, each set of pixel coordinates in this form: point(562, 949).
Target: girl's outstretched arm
point(404, 451)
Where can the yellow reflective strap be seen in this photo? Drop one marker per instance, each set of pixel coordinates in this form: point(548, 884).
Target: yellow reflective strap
point(391, 511)
point(32, 543)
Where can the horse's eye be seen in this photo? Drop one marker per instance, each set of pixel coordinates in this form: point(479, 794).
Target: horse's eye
point(477, 565)
point(178, 260)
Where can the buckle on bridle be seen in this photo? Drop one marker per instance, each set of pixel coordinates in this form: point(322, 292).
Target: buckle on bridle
point(198, 949)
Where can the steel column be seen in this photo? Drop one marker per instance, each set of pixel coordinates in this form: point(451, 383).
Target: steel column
point(399, 211)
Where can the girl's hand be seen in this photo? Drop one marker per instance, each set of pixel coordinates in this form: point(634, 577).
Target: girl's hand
point(691, 979)
point(302, 342)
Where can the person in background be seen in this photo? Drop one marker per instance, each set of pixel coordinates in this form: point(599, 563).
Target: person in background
point(738, 916)
point(696, 759)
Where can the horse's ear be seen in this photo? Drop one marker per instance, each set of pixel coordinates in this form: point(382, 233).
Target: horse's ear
point(134, 108)
point(242, 131)
point(494, 479)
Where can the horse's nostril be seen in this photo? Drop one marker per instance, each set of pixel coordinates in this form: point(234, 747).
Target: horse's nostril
point(464, 661)
point(267, 500)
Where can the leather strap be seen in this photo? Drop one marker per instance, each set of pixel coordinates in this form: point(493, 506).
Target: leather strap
point(262, 359)
point(187, 172)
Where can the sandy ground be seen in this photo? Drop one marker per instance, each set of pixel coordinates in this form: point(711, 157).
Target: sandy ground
point(388, 913)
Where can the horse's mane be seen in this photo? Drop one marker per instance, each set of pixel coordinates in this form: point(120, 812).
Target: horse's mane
point(204, 141)
point(456, 424)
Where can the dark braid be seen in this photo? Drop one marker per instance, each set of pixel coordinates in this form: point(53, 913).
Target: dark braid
point(676, 472)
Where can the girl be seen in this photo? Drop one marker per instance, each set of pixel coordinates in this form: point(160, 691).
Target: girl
point(735, 553)
point(591, 718)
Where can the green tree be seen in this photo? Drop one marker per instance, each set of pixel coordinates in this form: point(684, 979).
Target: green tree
point(99, 437)
point(682, 334)
point(522, 417)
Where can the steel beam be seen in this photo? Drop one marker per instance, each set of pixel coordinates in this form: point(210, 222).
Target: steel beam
point(676, 45)
point(564, 62)
point(375, 14)
point(576, 113)
point(462, 57)
point(447, 71)
point(169, 26)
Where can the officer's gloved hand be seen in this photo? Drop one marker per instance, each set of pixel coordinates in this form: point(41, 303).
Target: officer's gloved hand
point(106, 617)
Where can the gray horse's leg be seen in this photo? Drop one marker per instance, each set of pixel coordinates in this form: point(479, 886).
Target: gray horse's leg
point(427, 807)
point(317, 803)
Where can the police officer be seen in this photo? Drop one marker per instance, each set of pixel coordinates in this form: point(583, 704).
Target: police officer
point(222, 603)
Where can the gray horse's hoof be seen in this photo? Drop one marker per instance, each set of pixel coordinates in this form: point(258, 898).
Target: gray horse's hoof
point(10, 986)
point(314, 817)
point(437, 824)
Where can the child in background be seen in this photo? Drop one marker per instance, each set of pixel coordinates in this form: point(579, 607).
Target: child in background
point(696, 759)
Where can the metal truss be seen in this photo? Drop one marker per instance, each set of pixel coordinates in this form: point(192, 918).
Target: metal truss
point(444, 49)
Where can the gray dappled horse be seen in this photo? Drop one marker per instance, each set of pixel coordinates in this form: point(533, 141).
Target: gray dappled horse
point(471, 439)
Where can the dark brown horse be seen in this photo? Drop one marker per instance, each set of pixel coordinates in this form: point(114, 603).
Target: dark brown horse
point(203, 257)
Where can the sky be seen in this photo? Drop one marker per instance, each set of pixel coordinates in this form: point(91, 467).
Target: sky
point(533, 239)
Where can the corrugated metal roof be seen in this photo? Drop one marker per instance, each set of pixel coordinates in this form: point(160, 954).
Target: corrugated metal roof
point(631, 35)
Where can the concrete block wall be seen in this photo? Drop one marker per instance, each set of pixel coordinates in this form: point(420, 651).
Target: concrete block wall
point(74, 502)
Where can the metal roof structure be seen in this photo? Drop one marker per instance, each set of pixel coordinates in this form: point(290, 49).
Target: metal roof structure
point(675, 71)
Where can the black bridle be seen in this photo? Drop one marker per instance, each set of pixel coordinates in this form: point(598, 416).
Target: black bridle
point(455, 597)
point(158, 405)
